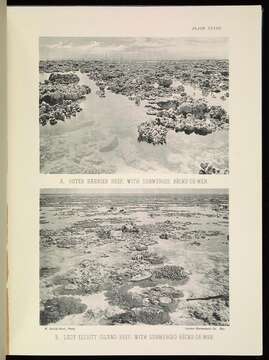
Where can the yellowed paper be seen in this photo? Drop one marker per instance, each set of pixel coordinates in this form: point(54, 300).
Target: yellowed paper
point(236, 33)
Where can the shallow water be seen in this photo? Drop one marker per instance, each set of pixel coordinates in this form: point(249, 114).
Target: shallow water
point(103, 139)
point(211, 98)
point(187, 219)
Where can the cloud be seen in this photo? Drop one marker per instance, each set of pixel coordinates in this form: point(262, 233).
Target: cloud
point(87, 47)
point(206, 41)
point(133, 48)
point(91, 47)
point(102, 48)
point(60, 45)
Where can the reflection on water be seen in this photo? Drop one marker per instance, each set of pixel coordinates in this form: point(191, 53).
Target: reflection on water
point(110, 124)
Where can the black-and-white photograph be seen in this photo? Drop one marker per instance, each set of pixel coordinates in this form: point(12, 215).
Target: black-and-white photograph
point(134, 257)
point(119, 105)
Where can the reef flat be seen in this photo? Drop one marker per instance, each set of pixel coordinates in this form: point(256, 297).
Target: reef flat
point(134, 259)
point(185, 96)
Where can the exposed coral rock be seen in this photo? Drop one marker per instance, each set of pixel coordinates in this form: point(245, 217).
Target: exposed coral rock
point(213, 312)
point(150, 315)
point(128, 317)
point(171, 272)
point(165, 300)
point(141, 277)
point(48, 271)
point(58, 307)
point(130, 228)
point(132, 280)
point(165, 82)
point(164, 236)
point(104, 233)
point(208, 169)
point(218, 113)
point(168, 104)
point(152, 133)
point(190, 118)
point(58, 98)
point(141, 247)
point(149, 257)
point(63, 78)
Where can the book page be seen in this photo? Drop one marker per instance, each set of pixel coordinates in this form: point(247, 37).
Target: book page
point(3, 189)
point(134, 207)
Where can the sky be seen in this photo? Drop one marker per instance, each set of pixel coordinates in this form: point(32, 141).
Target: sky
point(132, 48)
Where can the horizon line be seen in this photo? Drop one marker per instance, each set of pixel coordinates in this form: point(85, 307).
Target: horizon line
point(130, 60)
point(100, 192)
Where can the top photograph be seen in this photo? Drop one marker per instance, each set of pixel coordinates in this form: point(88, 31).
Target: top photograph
point(128, 105)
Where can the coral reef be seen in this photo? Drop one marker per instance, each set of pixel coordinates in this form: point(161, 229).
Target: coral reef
point(171, 272)
point(58, 307)
point(58, 98)
point(208, 169)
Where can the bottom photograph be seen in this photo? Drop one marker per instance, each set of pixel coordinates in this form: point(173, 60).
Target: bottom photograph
point(134, 257)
